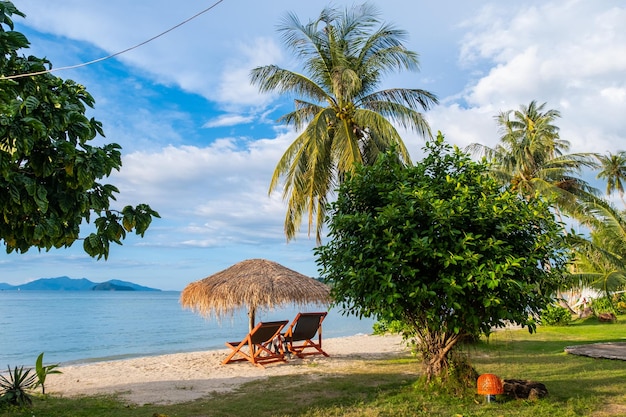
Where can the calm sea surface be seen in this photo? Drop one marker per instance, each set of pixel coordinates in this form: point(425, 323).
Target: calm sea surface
point(95, 326)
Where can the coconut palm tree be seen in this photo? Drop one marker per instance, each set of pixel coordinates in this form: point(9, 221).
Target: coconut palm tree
point(531, 157)
point(341, 117)
point(613, 170)
point(601, 258)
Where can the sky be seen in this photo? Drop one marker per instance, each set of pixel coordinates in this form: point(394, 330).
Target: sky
point(200, 143)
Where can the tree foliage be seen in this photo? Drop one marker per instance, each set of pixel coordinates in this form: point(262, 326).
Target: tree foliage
point(531, 157)
point(600, 261)
point(613, 170)
point(49, 171)
point(442, 247)
point(342, 118)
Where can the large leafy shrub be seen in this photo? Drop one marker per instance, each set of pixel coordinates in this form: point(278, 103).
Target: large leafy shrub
point(443, 248)
point(555, 315)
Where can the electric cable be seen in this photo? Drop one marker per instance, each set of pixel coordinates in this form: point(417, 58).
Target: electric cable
point(10, 77)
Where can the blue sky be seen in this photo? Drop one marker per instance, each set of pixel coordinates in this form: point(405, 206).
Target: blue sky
point(200, 143)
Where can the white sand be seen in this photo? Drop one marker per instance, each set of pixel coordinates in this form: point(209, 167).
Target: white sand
point(181, 377)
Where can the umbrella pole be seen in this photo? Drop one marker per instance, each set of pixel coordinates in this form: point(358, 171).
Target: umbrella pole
point(251, 317)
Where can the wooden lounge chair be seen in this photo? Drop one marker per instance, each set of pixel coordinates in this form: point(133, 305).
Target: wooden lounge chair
point(299, 336)
point(256, 347)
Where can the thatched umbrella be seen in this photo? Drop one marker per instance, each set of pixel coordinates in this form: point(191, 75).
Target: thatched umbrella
point(252, 283)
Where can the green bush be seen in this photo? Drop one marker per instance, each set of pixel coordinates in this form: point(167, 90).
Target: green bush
point(15, 385)
point(619, 302)
point(602, 305)
point(555, 315)
point(384, 326)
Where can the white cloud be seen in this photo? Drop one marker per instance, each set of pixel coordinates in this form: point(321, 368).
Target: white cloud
point(569, 54)
point(614, 94)
point(219, 189)
point(465, 126)
point(235, 87)
point(228, 120)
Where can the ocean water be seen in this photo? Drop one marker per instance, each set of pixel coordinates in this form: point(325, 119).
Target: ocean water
point(88, 326)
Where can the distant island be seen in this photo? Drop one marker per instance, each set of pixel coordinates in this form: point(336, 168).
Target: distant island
point(73, 284)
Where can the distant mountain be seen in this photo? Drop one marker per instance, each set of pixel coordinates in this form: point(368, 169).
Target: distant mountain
point(134, 287)
point(73, 284)
point(109, 286)
point(57, 284)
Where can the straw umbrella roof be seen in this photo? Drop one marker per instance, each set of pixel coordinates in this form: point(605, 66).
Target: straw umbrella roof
point(253, 283)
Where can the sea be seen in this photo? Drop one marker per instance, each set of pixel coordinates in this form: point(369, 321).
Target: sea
point(72, 327)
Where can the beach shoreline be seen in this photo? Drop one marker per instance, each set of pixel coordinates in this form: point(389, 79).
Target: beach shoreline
point(181, 377)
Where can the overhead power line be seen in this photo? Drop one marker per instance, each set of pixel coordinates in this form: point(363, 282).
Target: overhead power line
point(115, 54)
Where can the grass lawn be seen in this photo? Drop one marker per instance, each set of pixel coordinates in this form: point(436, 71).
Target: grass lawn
point(578, 386)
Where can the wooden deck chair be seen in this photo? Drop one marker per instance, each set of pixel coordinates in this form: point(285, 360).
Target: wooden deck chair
point(299, 335)
point(256, 347)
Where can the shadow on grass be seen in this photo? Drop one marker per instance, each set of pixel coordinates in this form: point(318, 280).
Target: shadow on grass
point(296, 395)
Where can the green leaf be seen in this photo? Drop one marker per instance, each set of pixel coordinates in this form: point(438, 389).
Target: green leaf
point(30, 104)
point(43, 371)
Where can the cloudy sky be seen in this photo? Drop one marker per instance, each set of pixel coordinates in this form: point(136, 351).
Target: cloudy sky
point(200, 143)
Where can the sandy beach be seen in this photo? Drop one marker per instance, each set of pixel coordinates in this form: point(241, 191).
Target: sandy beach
point(180, 377)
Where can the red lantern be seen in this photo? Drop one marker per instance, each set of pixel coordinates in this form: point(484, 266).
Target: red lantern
point(490, 386)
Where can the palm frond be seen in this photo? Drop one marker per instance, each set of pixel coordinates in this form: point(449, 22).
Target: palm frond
point(573, 161)
point(379, 136)
point(407, 97)
point(308, 175)
point(273, 78)
point(304, 113)
point(384, 51)
point(598, 214)
point(600, 258)
point(497, 155)
point(399, 106)
point(346, 147)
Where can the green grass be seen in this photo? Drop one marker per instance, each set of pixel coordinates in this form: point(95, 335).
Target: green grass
point(578, 386)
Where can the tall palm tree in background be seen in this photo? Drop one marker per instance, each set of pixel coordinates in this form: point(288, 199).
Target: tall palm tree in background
point(613, 170)
point(341, 118)
point(531, 158)
point(601, 257)
point(600, 261)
